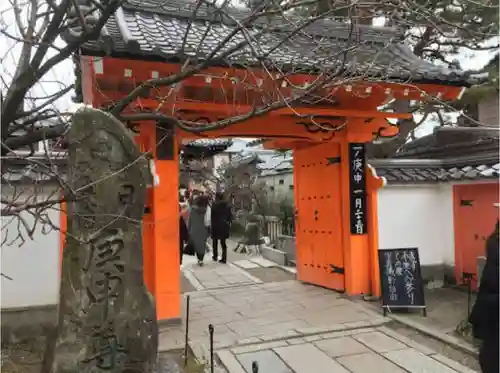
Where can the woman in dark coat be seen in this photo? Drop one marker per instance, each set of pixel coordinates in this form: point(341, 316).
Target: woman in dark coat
point(198, 232)
point(183, 235)
point(221, 218)
point(484, 316)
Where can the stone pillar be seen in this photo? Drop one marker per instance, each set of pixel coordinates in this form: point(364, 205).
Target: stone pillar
point(102, 283)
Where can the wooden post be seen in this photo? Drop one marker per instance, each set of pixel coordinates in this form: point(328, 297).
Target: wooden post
point(373, 184)
point(356, 248)
point(165, 212)
point(160, 225)
point(63, 222)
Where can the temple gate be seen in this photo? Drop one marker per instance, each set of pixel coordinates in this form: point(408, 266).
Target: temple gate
point(336, 222)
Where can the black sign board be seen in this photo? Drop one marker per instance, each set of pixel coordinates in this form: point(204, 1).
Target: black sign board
point(401, 279)
point(357, 188)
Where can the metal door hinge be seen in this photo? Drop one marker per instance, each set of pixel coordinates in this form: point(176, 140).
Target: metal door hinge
point(333, 160)
point(335, 269)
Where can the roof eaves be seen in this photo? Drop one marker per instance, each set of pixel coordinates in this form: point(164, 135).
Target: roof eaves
point(417, 70)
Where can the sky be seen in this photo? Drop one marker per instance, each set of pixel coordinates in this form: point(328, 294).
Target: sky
point(62, 75)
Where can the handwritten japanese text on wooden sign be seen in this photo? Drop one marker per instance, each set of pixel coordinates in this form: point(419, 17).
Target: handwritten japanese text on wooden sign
point(357, 187)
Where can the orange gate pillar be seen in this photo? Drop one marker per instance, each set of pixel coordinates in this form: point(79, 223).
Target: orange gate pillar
point(373, 184)
point(146, 142)
point(161, 223)
point(356, 246)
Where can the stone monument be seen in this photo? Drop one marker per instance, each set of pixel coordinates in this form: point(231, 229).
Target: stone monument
point(106, 316)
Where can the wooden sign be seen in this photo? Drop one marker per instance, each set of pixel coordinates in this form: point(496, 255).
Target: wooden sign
point(401, 279)
point(357, 188)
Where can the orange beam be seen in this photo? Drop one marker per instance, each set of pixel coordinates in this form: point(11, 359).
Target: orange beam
point(228, 110)
point(140, 71)
point(286, 128)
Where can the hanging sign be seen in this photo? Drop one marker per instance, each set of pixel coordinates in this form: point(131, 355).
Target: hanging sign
point(357, 188)
point(401, 279)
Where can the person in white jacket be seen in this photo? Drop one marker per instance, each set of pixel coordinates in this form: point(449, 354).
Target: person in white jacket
point(208, 220)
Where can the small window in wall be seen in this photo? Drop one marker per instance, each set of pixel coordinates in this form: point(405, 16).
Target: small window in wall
point(281, 181)
point(290, 187)
point(271, 189)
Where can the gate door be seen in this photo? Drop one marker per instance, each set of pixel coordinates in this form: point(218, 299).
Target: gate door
point(474, 220)
point(318, 204)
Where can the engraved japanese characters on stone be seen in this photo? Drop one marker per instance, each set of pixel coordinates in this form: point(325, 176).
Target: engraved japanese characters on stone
point(107, 318)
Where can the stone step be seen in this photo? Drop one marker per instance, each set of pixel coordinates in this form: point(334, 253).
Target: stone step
point(292, 263)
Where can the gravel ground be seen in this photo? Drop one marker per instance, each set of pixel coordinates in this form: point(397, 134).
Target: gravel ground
point(27, 357)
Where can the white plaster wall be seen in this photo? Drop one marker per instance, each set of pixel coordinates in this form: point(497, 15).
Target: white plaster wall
point(418, 216)
point(280, 190)
point(34, 264)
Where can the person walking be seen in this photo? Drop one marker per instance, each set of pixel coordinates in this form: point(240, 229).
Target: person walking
point(197, 229)
point(221, 218)
point(484, 316)
point(184, 207)
point(183, 234)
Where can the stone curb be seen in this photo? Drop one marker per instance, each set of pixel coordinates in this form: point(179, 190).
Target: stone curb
point(246, 274)
point(226, 354)
point(292, 270)
point(452, 341)
point(225, 287)
point(290, 334)
point(192, 279)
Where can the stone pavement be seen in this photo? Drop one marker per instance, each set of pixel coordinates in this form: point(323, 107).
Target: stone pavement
point(290, 327)
point(446, 310)
point(216, 275)
point(269, 311)
point(361, 350)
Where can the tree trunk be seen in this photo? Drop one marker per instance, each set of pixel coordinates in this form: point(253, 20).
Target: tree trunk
point(106, 316)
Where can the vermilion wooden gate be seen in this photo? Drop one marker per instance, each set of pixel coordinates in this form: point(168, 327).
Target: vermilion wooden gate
point(474, 220)
point(320, 258)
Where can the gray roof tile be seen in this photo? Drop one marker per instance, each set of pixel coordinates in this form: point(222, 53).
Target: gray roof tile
point(160, 29)
point(405, 174)
point(209, 143)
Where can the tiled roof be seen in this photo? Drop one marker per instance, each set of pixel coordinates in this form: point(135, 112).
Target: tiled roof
point(452, 142)
point(276, 165)
point(35, 169)
point(243, 159)
point(424, 171)
point(207, 143)
point(165, 30)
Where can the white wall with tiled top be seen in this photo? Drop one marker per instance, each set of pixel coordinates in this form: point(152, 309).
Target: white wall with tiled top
point(33, 265)
point(418, 216)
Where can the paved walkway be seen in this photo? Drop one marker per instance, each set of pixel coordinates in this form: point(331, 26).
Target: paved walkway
point(360, 350)
point(215, 275)
point(290, 327)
